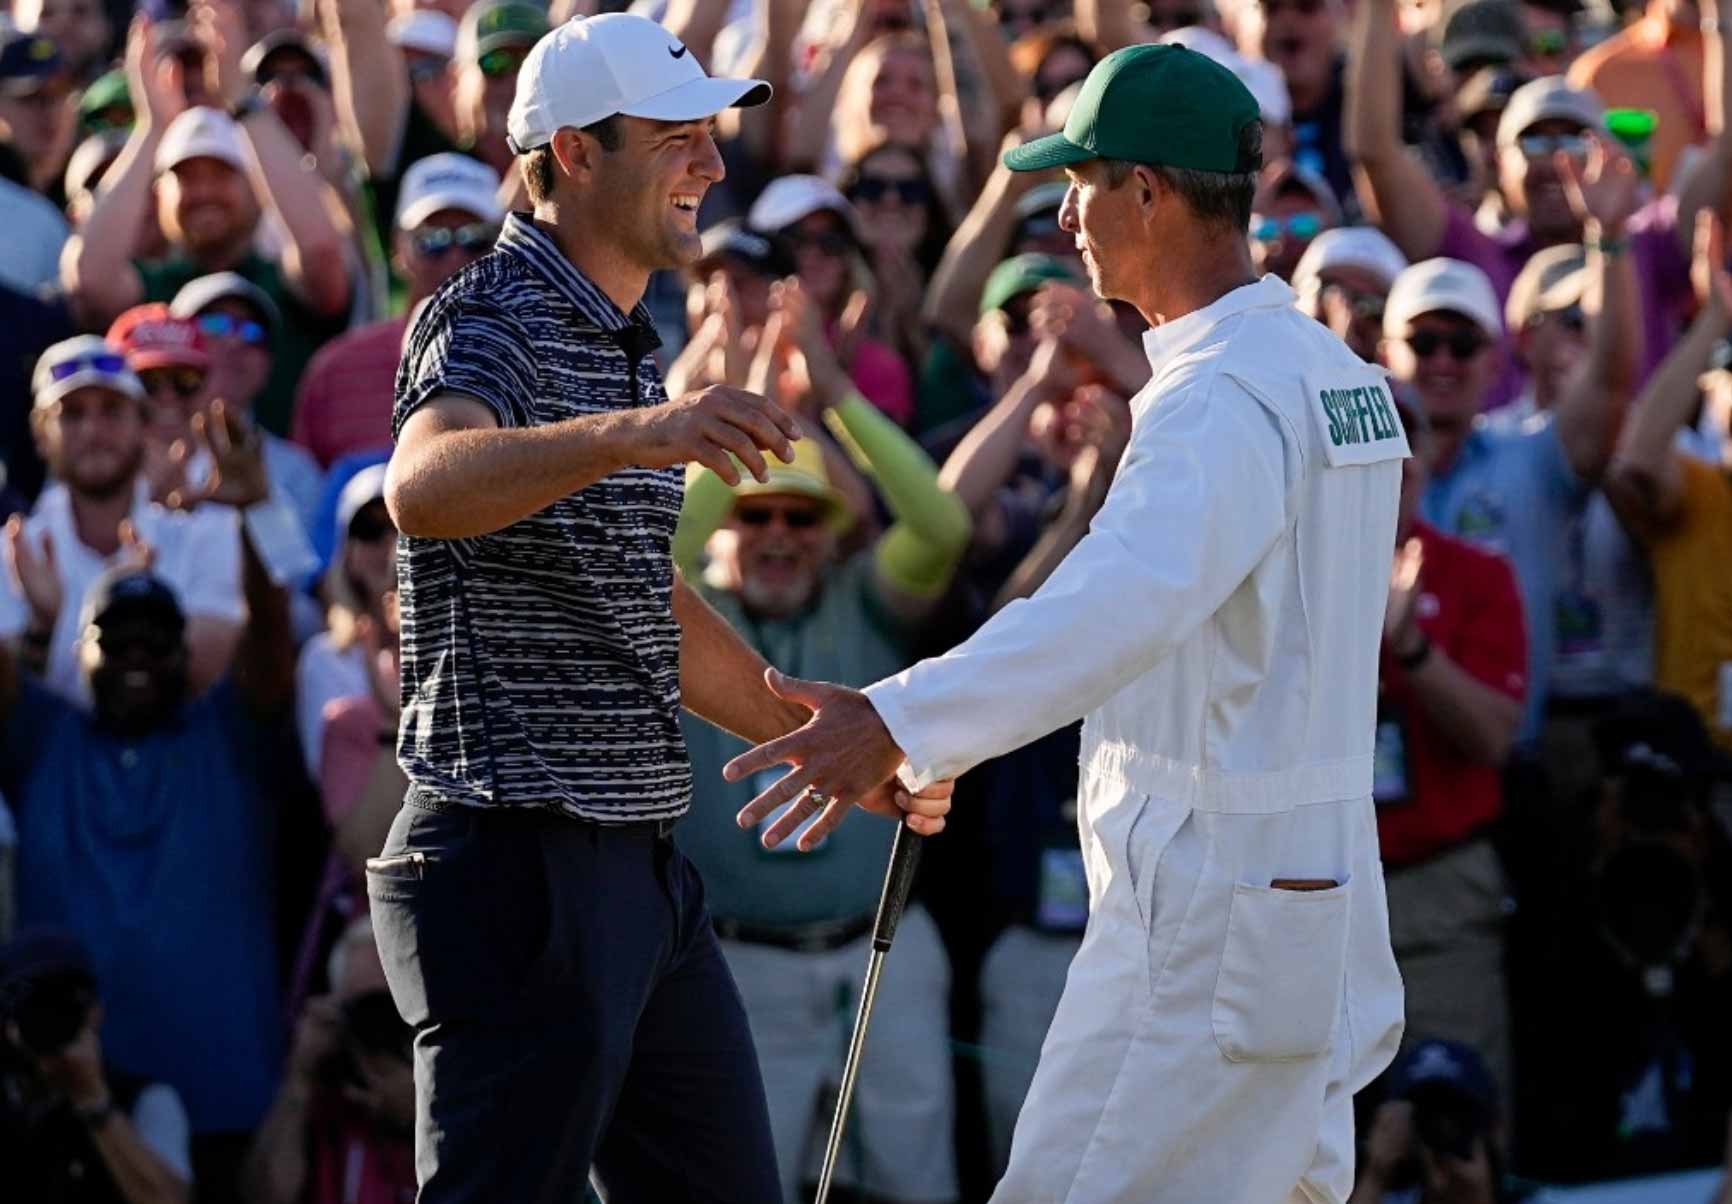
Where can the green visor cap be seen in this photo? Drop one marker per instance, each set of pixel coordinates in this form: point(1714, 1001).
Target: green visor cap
point(1151, 104)
point(1023, 274)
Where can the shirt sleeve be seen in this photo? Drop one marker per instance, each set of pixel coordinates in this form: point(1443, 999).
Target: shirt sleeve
point(211, 582)
point(1493, 646)
point(160, 1121)
point(467, 344)
point(1200, 498)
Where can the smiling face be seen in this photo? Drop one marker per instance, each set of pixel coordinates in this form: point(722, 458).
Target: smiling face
point(426, 266)
point(903, 97)
point(136, 668)
point(821, 248)
point(206, 206)
point(647, 192)
point(93, 440)
point(1449, 363)
point(891, 193)
point(1300, 37)
point(1531, 183)
point(780, 547)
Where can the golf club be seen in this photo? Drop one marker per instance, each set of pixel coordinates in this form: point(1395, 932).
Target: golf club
point(904, 859)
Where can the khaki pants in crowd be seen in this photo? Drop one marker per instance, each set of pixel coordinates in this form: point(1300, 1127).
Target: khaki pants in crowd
point(1020, 984)
point(1446, 921)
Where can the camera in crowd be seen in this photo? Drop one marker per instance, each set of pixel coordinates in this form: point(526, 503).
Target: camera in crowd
point(1654, 834)
point(47, 992)
point(1455, 1105)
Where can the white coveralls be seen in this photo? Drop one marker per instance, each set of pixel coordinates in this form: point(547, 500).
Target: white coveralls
point(1219, 627)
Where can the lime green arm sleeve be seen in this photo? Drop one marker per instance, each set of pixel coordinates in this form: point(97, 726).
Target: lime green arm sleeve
point(920, 552)
point(708, 500)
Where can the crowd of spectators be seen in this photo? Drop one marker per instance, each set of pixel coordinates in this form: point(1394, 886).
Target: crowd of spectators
point(216, 223)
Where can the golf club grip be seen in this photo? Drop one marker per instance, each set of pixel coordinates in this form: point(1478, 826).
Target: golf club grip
point(904, 860)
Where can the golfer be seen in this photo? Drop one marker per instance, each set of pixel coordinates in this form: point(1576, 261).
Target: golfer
point(538, 928)
point(1219, 627)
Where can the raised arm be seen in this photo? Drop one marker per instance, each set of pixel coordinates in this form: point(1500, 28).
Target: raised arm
point(1709, 184)
point(981, 125)
point(315, 259)
point(809, 132)
point(1592, 407)
point(96, 266)
point(369, 82)
point(953, 298)
point(760, 127)
point(1108, 24)
point(1644, 484)
point(1394, 187)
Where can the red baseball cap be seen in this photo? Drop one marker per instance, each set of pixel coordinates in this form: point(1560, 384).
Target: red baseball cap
point(151, 337)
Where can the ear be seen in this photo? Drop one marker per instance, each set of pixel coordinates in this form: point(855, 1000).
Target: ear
point(1149, 188)
point(574, 153)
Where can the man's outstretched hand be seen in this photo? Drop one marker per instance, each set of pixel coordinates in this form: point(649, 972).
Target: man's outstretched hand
point(845, 754)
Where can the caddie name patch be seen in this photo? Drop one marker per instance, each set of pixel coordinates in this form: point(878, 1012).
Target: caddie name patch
point(1357, 421)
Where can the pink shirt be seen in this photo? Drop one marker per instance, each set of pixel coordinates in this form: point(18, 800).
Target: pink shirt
point(344, 402)
point(884, 380)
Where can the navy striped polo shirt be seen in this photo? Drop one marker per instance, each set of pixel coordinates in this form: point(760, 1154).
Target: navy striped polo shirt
point(541, 663)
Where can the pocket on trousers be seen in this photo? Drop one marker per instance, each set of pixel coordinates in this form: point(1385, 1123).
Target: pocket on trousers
point(1283, 970)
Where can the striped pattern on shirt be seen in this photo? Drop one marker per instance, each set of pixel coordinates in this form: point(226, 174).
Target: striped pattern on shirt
point(540, 663)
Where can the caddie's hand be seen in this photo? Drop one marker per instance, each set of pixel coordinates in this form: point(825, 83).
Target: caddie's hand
point(843, 756)
point(709, 425)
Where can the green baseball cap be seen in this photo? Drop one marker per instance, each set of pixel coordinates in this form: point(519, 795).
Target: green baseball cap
point(494, 23)
point(1157, 103)
point(1023, 274)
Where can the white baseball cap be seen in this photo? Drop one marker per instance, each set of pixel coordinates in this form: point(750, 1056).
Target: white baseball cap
point(1363, 247)
point(1550, 98)
point(1442, 284)
point(79, 362)
point(787, 199)
point(596, 67)
point(1553, 279)
point(448, 181)
point(425, 29)
point(200, 133)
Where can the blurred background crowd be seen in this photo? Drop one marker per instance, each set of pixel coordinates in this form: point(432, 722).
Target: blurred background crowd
point(215, 224)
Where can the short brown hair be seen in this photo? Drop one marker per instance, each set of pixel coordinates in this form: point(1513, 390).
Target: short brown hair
point(538, 163)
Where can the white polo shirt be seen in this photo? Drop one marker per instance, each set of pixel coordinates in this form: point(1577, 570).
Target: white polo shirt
point(197, 555)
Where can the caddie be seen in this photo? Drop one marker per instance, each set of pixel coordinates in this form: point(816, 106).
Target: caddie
point(1219, 628)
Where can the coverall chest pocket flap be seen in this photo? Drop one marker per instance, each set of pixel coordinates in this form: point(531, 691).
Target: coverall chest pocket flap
point(1283, 970)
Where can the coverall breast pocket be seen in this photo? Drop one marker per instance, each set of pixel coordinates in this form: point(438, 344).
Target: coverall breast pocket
point(1283, 971)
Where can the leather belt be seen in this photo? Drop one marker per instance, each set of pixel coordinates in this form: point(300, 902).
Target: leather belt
point(821, 937)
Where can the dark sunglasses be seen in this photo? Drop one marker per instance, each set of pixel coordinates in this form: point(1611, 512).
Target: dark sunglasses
point(224, 327)
point(875, 188)
point(371, 524)
point(110, 363)
point(1544, 146)
point(1300, 226)
point(763, 516)
point(829, 242)
point(426, 70)
point(505, 60)
point(1463, 345)
point(1367, 306)
point(182, 382)
point(473, 238)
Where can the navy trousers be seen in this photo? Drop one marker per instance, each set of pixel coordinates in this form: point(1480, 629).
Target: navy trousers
point(572, 1013)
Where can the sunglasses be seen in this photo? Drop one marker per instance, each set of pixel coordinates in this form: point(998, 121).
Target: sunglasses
point(371, 524)
point(1463, 345)
point(1570, 317)
point(1544, 146)
point(1365, 306)
point(182, 382)
point(471, 239)
point(426, 70)
point(763, 516)
point(872, 189)
point(222, 326)
point(829, 242)
point(496, 64)
point(1300, 226)
point(109, 363)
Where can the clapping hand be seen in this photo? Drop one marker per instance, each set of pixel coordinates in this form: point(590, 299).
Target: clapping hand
point(237, 475)
point(1605, 192)
point(154, 80)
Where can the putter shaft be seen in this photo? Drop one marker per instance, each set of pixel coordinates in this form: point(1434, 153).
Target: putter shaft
point(850, 1072)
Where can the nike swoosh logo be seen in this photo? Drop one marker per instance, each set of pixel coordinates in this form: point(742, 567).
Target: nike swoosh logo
point(677, 53)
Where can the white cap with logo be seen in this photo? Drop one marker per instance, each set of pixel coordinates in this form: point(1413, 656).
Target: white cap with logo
point(1364, 247)
point(448, 181)
point(1442, 284)
point(81, 362)
point(595, 67)
point(200, 133)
